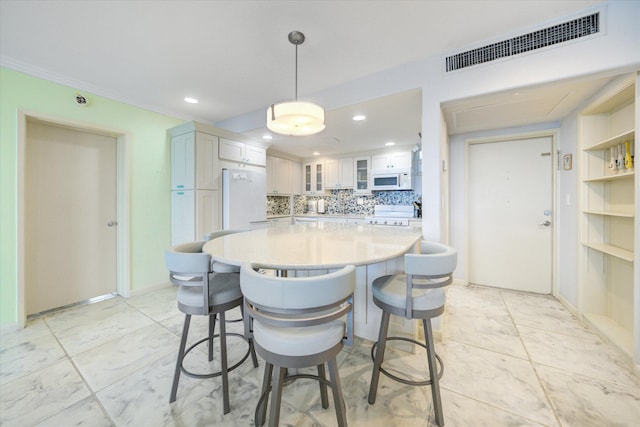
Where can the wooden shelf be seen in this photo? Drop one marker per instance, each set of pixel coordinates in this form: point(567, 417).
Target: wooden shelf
point(615, 140)
point(624, 175)
point(619, 214)
point(608, 288)
point(617, 334)
point(615, 251)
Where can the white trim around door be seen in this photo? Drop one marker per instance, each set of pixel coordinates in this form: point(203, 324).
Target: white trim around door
point(123, 152)
point(553, 134)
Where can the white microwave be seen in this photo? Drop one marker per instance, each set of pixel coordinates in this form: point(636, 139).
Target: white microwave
point(385, 180)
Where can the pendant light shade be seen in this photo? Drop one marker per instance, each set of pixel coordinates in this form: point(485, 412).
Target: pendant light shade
point(295, 118)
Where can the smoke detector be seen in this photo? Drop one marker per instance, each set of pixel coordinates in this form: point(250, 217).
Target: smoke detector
point(81, 100)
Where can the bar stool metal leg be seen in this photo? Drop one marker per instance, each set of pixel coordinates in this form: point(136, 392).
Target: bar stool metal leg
point(212, 328)
point(324, 398)
point(183, 345)
point(223, 362)
point(261, 411)
point(433, 372)
point(336, 387)
point(382, 343)
point(276, 396)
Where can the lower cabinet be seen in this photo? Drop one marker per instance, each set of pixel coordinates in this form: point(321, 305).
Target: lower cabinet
point(193, 214)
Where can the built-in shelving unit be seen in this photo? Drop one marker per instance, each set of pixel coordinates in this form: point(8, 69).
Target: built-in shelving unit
point(609, 292)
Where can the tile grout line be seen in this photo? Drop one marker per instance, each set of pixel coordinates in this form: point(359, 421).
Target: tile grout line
point(531, 363)
point(92, 394)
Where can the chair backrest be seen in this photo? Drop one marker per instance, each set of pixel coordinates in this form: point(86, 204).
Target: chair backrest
point(187, 258)
point(297, 301)
point(434, 259)
point(431, 268)
point(189, 266)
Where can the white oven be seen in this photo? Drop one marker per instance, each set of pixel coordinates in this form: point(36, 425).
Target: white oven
point(393, 215)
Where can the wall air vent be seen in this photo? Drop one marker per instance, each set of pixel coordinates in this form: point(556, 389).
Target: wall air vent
point(571, 30)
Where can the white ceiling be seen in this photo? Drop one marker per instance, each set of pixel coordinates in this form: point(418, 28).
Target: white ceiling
point(235, 58)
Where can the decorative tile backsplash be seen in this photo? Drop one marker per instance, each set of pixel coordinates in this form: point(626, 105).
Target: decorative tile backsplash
point(278, 205)
point(341, 202)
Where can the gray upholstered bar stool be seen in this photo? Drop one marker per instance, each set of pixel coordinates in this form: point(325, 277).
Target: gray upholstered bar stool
point(416, 294)
point(209, 290)
point(297, 322)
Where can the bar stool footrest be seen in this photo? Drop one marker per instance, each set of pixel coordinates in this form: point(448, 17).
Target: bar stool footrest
point(440, 371)
point(218, 373)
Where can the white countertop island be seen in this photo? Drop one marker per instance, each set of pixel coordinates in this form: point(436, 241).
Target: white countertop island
point(314, 246)
point(319, 247)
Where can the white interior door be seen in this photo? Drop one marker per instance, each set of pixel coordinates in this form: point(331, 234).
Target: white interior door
point(70, 200)
point(509, 214)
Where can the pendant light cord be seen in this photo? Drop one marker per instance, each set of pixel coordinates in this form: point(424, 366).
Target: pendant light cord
point(296, 91)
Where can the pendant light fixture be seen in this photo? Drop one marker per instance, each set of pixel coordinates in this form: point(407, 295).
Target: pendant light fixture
point(296, 118)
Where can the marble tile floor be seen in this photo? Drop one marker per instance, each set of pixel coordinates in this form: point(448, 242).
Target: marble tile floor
point(511, 359)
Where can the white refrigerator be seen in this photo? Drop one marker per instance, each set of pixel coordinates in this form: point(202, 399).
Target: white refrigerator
point(244, 198)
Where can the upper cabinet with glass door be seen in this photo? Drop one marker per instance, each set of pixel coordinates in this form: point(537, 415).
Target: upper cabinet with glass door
point(362, 167)
point(312, 178)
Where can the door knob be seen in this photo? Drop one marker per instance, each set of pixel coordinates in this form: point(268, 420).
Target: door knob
point(112, 223)
point(545, 224)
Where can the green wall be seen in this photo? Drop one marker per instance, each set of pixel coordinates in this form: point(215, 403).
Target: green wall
point(149, 174)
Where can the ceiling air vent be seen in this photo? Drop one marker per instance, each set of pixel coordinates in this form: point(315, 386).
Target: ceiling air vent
point(560, 33)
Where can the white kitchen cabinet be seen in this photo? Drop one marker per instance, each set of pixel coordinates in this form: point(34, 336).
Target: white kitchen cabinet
point(338, 173)
point(609, 277)
point(296, 178)
point(193, 161)
point(312, 178)
point(242, 153)
point(194, 170)
point(279, 177)
point(193, 214)
point(362, 168)
point(391, 161)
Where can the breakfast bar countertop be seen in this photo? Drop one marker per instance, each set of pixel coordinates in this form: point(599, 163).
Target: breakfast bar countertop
point(321, 245)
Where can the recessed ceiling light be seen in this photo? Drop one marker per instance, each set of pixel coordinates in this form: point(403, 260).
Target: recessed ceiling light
point(390, 143)
point(191, 100)
point(315, 153)
point(359, 117)
point(267, 137)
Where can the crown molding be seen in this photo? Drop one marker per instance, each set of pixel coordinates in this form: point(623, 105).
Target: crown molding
point(80, 85)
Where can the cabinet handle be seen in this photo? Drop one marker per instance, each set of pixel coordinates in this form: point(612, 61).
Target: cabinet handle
point(180, 193)
point(179, 186)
